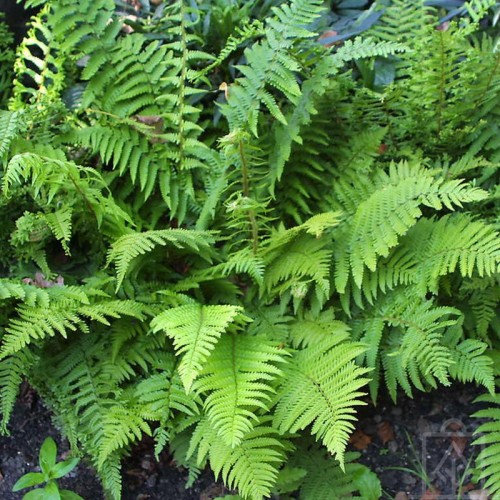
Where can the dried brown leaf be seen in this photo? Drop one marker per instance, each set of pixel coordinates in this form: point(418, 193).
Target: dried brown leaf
point(360, 440)
point(385, 432)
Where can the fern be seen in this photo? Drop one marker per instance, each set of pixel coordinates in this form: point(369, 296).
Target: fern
point(242, 387)
point(325, 480)
point(10, 122)
point(65, 313)
point(252, 466)
point(402, 21)
point(416, 346)
point(195, 330)
point(321, 387)
point(129, 246)
point(487, 460)
point(12, 372)
point(388, 213)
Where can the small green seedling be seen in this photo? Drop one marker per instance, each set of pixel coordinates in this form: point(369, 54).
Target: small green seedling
point(50, 472)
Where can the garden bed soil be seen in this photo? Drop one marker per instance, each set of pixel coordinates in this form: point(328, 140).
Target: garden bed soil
point(429, 435)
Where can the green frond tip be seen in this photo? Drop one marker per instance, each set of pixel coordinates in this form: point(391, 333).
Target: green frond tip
point(195, 330)
point(129, 246)
point(322, 387)
point(238, 380)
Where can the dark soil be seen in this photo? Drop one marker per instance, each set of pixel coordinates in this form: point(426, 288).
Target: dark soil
point(429, 435)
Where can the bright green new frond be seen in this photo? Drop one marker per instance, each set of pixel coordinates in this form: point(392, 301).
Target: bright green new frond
point(321, 386)
point(251, 467)
point(487, 460)
point(130, 246)
point(237, 380)
point(195, 330)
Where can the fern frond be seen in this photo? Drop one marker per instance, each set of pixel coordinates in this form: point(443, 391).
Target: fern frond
point(415, 346)
point(41, 63)
point(325, 480)
point(129, 246)
point(477, 9)
point(13, 370)
point(237, 380)
point(121, 425)
point(242, 34)
point(487, 460)
point(307, 263)
point(472, 364)
point(403, 21)
point(389, 212)
point(453, 241)
point(59, 223)
point(10, 122)
point(312, 330)
point(251, 467)
point(294, 19)
point(65, 313)
point(52, 176)
point(195, 330)
point(321, 387)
